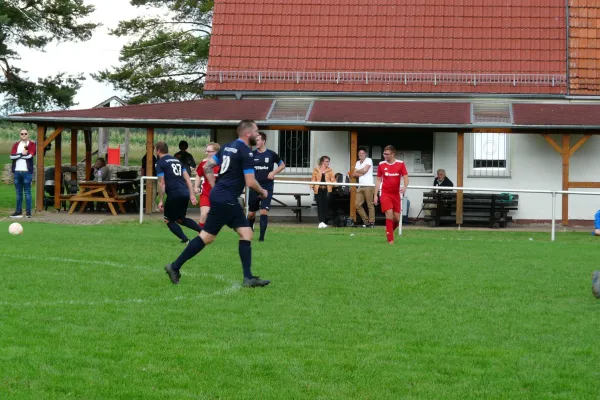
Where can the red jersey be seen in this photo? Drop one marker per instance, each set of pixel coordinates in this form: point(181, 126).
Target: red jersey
point(390, 175)
point(204, 185)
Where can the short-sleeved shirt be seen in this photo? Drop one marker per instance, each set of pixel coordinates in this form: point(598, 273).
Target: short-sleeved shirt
point(171, 169)
point(187, 160)
point(366, 179)
point(205, 187)
point(390, 175)
point(236, 160)
point(263, 165)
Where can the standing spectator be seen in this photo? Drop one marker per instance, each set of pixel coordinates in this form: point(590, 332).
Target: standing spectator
point(187, 160)
point(363, 170)
point(143, 173)
point(389, 173)
point(442, 179)
point(322, 173)
point(21, 155)
point(174, 181)
point(202, 185)
point(264, 172)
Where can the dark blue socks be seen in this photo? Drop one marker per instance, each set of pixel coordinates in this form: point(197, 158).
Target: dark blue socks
point(245, 257)
point(264, 220)
point(194, 247)
point(177, 231)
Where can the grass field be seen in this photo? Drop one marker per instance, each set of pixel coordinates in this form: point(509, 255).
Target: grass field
point(88, 313)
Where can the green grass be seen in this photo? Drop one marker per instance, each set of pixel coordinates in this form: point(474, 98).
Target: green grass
point(88, 313)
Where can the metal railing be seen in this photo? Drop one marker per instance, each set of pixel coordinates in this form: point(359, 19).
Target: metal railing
point(553, 194)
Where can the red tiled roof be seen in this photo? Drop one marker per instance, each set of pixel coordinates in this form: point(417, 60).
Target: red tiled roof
point(584, 47)
point(400, 112)
point(207, 110)
point(556, 114)
point(442, 36)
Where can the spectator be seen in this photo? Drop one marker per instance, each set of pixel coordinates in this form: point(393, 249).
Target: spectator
point(100, 170)
point(187, 160)
point(322, 173)
point(442, 179)
point(21, 155)
point(363, 170)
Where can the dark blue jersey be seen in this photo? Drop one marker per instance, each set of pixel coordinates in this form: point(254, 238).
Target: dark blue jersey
point(264, 164)
point(236, 160)
point(171, 170)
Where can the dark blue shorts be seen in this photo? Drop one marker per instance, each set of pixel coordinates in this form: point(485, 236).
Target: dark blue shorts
point(597, 220)
point(222, 214)
point(255, 202)
point(176, 208)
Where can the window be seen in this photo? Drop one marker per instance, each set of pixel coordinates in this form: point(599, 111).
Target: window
point(489, 155)
point(415, 149)
point(294, 149)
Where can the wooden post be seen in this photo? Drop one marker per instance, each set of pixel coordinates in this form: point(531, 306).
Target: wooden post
point(353, 155)
point(566, 141)
point(39, 178)
point(57, 170)
point(460, 161)
point(126, 158)
point(149, 168)
point(87, 137)
point(74, 150)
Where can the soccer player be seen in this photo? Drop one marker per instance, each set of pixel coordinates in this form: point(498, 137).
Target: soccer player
point(202, 186)
point(389, 173)
point(174, 180)
point(264, 162)
point(237, 170)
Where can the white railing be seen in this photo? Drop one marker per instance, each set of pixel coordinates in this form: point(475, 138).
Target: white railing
point(553, 194)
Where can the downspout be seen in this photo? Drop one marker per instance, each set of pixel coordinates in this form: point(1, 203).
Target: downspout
point(568, 56)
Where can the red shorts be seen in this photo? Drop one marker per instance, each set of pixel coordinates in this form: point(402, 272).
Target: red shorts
point(390, 202)
point(204, 201)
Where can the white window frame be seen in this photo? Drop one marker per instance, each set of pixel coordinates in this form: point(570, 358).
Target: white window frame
point(493, 147)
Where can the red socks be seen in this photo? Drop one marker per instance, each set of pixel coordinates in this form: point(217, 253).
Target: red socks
point(396, 225)
point(389, 230)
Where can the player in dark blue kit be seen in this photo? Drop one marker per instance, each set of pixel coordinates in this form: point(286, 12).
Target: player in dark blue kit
point(237, 170)
point(264, 162)
point(174, 180)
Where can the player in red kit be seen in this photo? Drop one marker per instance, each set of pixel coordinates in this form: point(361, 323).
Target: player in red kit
point(202, 186)
point(389, 173)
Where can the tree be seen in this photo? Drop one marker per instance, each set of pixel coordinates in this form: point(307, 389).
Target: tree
point(167, 60)
point(34, 24)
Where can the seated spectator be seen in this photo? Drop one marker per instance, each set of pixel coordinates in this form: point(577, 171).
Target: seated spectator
point(442, 179)
point(100, 170)
point(322, 173)
point(187, 160)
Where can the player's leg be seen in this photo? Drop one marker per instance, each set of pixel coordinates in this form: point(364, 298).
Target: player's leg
point(596, 284)
point(216, 219)
point(387, 207)
point(265, 205)
point(204, 208)
point(253, 207)
point(239, 223)
point(171, 215)
point(184, 220)
point(396, 210)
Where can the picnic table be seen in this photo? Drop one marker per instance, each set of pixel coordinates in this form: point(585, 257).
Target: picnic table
point(100, 192)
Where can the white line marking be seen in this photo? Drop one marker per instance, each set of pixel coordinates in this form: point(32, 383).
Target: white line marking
point(235, 286)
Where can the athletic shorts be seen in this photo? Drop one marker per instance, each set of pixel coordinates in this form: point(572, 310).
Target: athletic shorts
point(390, 202)
point(222, 214)
point(176, 208)
point(255, 202)
point(204, 200)
point(597, 220)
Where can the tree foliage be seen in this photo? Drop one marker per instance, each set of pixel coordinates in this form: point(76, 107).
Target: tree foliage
point(34, 24)
point(167, 59)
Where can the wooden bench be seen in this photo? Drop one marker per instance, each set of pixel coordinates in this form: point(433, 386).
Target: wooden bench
point(478, 208)
point(295, 209)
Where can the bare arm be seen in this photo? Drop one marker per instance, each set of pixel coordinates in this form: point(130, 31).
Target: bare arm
point(208, 171)
point(277, 170)
point(188, 183)
point(377, 186)
point(405, 178)
point(161, 188)
point(254, 185)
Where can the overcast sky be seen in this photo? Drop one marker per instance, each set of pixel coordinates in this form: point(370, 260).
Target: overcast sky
point(102, 51)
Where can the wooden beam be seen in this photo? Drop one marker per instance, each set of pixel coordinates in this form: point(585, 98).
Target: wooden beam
point(566, 140)
point(491, 130)
point(52, 136)
point(57, 170)
point(87, 137)
point(74, 148)
point(460, 161)
point(353, 156)
point(584, 185)
point(552, 143)
point(39, 178)
point(579, 143)
point(149, 168)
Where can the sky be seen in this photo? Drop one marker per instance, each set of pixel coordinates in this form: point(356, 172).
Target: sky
point(100, 52)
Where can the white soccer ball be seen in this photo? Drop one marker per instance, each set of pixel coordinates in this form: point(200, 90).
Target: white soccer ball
point(15, 228)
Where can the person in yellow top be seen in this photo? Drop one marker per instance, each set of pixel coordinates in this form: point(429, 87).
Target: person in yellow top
point(323, 173)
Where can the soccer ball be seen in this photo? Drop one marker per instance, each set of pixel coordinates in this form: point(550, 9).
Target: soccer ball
point(15, 228)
